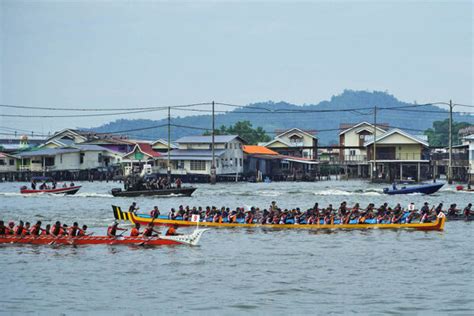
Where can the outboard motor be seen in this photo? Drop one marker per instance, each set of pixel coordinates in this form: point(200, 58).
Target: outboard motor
point(116, 190)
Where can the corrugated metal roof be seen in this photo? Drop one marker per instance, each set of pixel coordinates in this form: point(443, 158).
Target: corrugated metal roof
point(194, 153)
point(47, 152)
point(252, 149)
point(207, 139)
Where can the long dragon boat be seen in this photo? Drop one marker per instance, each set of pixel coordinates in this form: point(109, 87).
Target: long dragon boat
point(163, 220)
point(190, 239)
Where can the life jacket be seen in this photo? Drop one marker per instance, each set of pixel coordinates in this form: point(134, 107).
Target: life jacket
point(134, 232)
point(147, 232)
point(171, 231)
point(80, 233)
point(35, 230)
point(73, 231)
point(56, 230)
point(19, 230)
point(111, 231)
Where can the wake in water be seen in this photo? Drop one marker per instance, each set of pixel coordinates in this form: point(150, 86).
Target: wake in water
point(342, 192)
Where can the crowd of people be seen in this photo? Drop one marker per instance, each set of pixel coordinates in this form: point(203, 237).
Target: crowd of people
point(157, 183)
point(343, 214)
point(56, 230)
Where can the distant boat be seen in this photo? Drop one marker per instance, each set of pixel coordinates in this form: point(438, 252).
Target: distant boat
point(44, 188)
point(183, 191)
point(421, 188)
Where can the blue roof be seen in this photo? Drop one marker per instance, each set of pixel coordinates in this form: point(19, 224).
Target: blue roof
point(208, 139)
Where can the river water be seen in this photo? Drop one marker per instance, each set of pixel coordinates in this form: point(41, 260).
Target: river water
point(234, 271)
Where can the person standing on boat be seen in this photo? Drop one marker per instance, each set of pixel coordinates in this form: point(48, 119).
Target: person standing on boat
point(33, 184)
point(178, 183)
point(133, 208)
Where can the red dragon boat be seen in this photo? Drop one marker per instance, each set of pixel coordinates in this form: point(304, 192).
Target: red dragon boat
point(190, 239)
point(62, 190)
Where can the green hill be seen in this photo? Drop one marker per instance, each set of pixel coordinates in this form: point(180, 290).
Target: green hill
point(326, 123)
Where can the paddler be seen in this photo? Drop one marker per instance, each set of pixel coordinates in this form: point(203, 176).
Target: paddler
point(112, 229)
point(74, 230)
point(149, 230)
point(439, 208)
point(172, 231)
point(155, 212)
point(19, 229)
point(133, 208)
point(467, 211)
point(425, 211)
point(56, 229)
point(3, 229)
point(452, 210)
point(10, 228)
point(135, 232)
point(82, 232)
point(36, 230)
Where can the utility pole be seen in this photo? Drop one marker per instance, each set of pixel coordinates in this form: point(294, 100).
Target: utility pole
point(450, 166)
point(169, 146)
point(374, 169)
point(213, 165)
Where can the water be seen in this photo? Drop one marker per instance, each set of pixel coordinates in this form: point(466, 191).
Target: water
point(240, 270)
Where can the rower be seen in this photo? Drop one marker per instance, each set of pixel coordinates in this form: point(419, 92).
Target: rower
point(425, 210)
point(19, 229)
point(47, 229)
point(26, 230)
point(135, 232)
point(467, 211)
point(3, 228)
point(65, 229)
point(439, 208)
point(82, 232)
point(178, 183)
point(56, 229)
point(112, 230)
point(74, 230)
point(36, 230)
point(452, 210)
point(155, 212)
point(149, 230)
point(10, 228)
point(172, 215)
point(172, 231)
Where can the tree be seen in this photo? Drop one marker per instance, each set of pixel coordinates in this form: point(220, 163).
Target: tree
point(245, 130)
point(439, 134)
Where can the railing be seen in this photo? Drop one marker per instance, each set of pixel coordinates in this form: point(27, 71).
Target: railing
point(445, 156)
point(401, 156)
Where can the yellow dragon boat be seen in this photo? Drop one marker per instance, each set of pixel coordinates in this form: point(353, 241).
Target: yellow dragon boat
point(145, 219)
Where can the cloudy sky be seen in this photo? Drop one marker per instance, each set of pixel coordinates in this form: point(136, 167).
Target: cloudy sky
point(97, 54)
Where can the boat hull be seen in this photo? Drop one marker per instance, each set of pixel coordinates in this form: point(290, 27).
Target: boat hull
point(129, 216)
point(424, 189)
point(165, 192)
point(86, 240)
point(68, 191)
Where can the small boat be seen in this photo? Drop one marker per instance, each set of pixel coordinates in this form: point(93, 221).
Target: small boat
point(190, 239)
point(463, 189)
point(421, 188)
point(163, 220)
point(70, 190)
point(184, 191)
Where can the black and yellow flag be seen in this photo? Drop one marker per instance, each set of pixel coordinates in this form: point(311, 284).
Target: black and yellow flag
point(119, 214)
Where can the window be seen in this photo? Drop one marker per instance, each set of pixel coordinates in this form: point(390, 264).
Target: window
point(352, 152)
point(12, 162)
point(81, 158)
point(61, 158)
point(241, 162)
point(240, 145)
point(198, 165)
point(226, 146)
point(99, 157)
point(235, 162)
point(2, 162)
point(217, 163)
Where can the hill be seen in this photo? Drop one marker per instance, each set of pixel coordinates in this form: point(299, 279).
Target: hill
point(326, 123)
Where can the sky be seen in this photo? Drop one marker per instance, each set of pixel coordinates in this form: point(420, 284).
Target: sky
point(104, 54)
